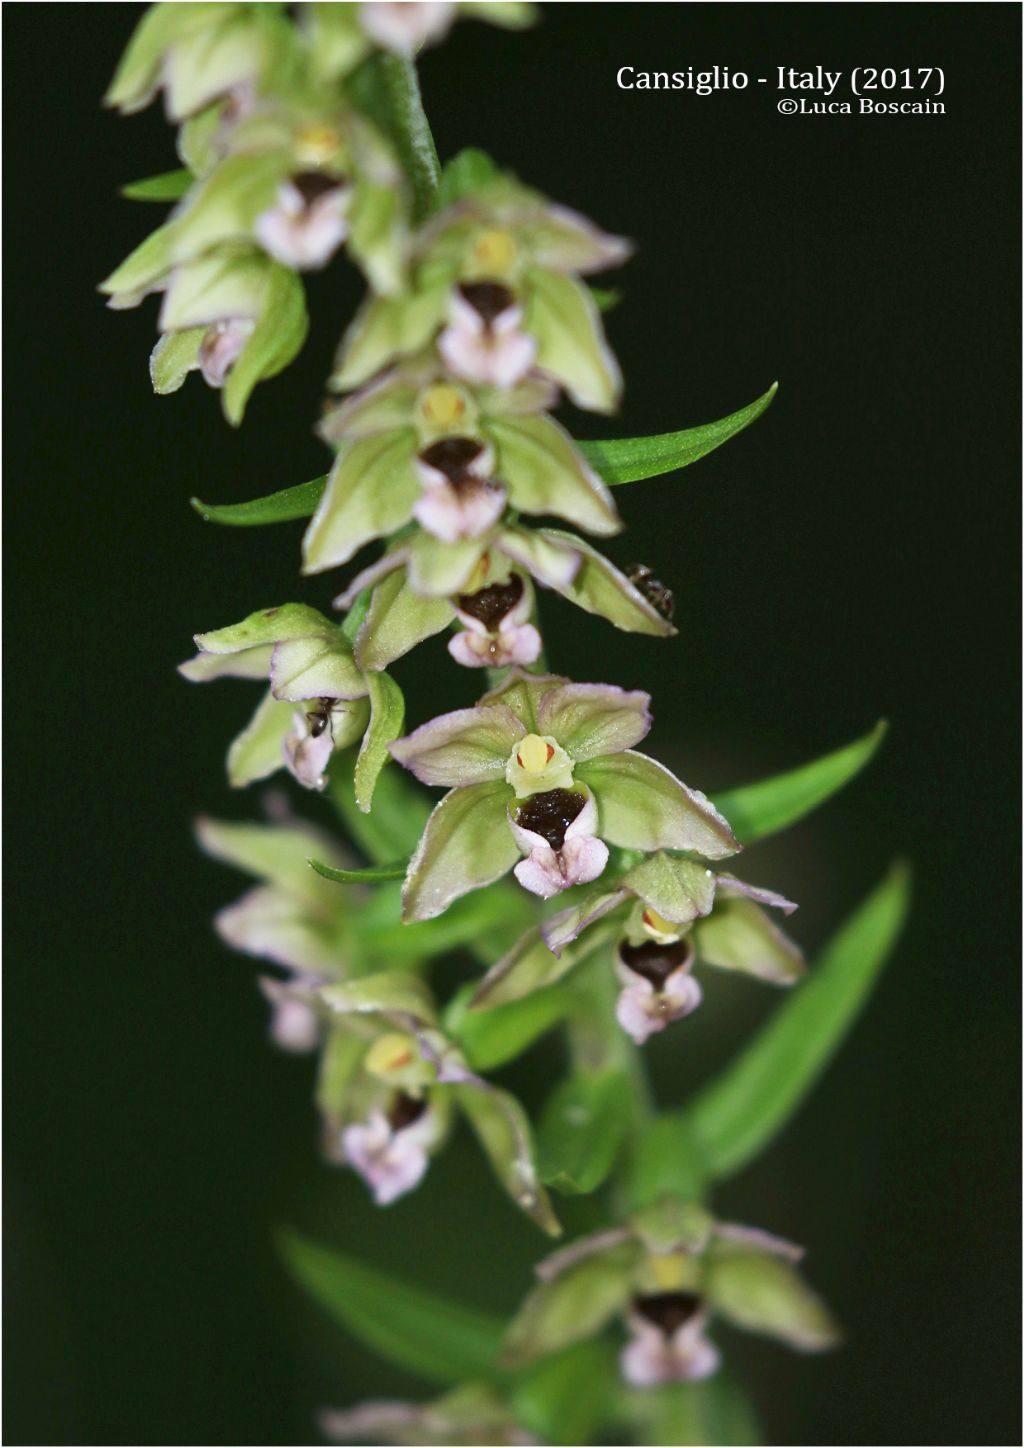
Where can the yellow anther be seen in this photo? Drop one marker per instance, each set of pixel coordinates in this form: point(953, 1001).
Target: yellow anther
point(389, 1053)
point(669, 1271)
point(534, 754)
point(443, 406)
point(316, 144)
point(658, 924)
point(495, 251)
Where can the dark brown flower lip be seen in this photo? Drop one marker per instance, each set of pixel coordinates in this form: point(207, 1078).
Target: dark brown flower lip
point(656, 962)
point(311, 185)
point(489, 299)
point(491, 604)
point(550, 813)
point(405, 1110)
point(668, 1311)
point(453, 456)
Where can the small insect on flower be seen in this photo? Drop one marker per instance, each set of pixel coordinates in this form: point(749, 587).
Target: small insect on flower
point(655, 592)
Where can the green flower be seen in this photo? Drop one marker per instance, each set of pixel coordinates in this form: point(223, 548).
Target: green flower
point(543, 768)
point(668, 1272)
point(495, 284)
point(416, 447)
point(319, 699)
point(665, 914)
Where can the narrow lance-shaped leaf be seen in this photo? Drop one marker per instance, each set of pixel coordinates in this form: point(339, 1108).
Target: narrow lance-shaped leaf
point(168, 186)
point(770, 805)
point(370, 875)
point(621, 460)
point(582, 1128)
point(737, 1115)
point(282, 507)
point(632, 459)
point(417, 1330)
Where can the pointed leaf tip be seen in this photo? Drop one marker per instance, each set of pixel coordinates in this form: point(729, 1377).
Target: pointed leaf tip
point(757, 810)
point(371, 875)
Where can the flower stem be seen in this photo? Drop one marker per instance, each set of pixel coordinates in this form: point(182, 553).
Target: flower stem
point(402, 115)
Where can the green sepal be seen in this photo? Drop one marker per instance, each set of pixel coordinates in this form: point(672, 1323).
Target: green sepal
point(387, 718)
point(563, 317)
point(391, 992)
point(575, 1304)
point(370, 494)
point(740, 935)
point(764, 1294)
point(466, 844)
point(257, 751)
point(503, 1130)
point(601, 588)
point(276, 339)
point(419, 1331)
point(643, 806)
point(173, 358)
point(680, 890)
point(397, 620)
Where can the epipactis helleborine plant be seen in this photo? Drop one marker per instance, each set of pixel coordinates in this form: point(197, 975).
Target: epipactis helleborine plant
point(580, 874)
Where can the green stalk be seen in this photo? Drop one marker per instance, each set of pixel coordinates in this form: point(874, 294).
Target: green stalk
point(387, 88)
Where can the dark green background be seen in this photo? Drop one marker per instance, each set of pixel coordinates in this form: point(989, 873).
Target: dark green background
point(852, 555)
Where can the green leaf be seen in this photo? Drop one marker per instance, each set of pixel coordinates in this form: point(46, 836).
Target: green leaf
point(278, 335)
point(629, 460)
point(623, 460)
point(757, 810)
point(282, 507)
point(371, 875)
point(168, 186)
point(582, 1128)
point(417, 1330)
point(737, 1115)
point(492, 1038)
